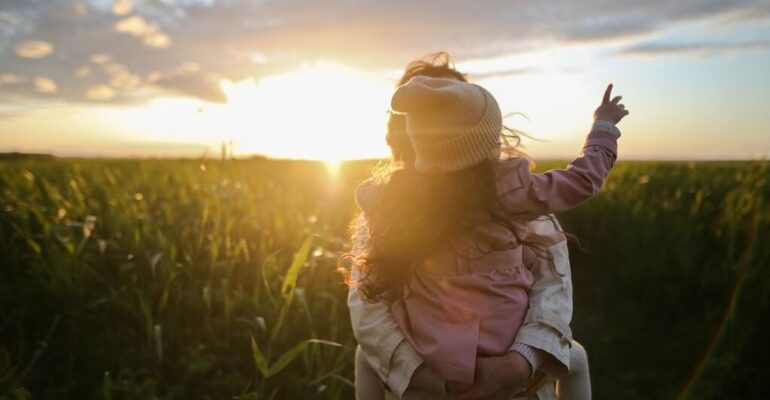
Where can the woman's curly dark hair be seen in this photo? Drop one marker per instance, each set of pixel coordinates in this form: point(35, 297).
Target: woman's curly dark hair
point(415, 213)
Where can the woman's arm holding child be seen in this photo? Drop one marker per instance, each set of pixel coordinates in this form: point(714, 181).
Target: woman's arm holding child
point(384, 346)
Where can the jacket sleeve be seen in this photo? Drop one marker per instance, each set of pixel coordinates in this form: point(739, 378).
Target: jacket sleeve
point(524, 194)
point(384, 345)
point(546, 324)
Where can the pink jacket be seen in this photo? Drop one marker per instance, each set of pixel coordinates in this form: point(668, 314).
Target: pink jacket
point(470, 300)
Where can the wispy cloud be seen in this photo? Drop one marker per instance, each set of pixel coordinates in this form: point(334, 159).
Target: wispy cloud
point(523, 71)
point(33, 49)
point(45, 85)
point(138, 27)
point(700, 49)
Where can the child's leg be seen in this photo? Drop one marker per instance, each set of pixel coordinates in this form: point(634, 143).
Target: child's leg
point(368, 385)
point(576, 385)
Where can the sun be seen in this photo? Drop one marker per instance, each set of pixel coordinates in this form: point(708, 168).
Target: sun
point(321, 111)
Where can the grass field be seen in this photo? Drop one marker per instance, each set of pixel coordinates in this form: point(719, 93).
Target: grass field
point(127, 279)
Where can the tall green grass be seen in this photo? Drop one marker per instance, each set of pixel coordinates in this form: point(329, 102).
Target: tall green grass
point(126, 279)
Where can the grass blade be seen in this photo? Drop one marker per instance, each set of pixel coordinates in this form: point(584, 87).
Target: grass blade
point(259, 359)
point(289, 356)
point(290, 280)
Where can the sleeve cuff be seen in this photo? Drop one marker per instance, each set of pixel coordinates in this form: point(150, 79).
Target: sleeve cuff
point(405, 363)
point(531, 354)
point(606, 126)
point(602, 138)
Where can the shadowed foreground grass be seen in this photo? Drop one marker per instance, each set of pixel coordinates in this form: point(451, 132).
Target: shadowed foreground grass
point(129, 279)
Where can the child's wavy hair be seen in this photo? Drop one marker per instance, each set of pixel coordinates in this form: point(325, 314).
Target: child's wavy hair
point(416, 213)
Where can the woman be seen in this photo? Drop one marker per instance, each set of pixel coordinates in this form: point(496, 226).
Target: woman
point(542, 344)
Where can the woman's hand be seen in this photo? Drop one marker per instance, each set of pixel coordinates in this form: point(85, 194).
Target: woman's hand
point(610, 110)
point(498, 377)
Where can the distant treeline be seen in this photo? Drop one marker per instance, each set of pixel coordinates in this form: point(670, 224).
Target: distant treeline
point(25, 156)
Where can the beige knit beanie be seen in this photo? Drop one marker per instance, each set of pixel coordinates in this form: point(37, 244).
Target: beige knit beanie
point(452, 125)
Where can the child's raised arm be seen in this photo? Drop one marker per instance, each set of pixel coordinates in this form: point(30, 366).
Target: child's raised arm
point(528, 195)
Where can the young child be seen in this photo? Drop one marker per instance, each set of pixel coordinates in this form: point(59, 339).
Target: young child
point(447, 235)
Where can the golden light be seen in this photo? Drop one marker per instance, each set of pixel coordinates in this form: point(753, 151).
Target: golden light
point(330, 112)
point(321, 111)
point(333, 167)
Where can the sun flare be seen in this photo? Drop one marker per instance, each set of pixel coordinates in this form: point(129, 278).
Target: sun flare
point(333, 167)
point(330, 113)
point(321, 111)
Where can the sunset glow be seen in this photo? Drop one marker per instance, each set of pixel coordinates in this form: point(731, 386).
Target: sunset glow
point(179, 80)
point(326, 111)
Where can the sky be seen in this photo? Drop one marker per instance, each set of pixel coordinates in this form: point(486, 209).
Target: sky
point(310, 79)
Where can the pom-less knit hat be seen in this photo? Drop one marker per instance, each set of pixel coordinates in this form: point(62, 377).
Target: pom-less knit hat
point(452, 125)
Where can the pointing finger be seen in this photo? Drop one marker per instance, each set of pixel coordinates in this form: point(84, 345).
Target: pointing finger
point(607, 94)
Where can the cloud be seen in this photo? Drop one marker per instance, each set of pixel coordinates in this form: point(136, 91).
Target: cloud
point(205, 87)
point(122, 7)
point(83, 71)
point(149, 33)
point(11, 79)
point(100, 93)
point(701, 49)
point(188, 68)
point(45, 85)
point(136, 48)
point(100, 58)
point(521, 71)
point(33, 49)
point(134, 25)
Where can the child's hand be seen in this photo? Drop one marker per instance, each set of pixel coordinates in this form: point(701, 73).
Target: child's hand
point(610, 110)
